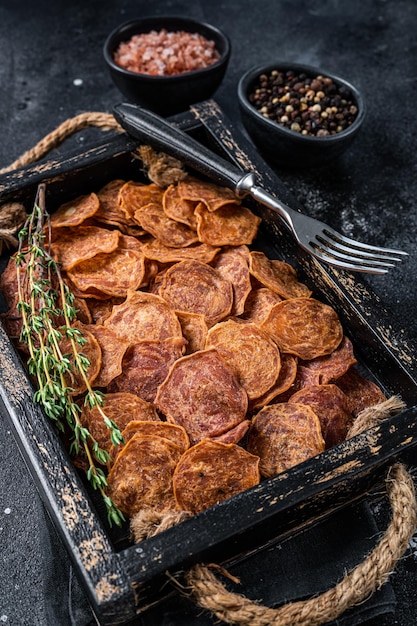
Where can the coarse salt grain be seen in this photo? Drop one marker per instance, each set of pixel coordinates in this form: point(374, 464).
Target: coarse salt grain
point(166, 53)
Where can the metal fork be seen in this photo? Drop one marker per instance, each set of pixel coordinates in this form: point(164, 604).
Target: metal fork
point(322, 241)
point(317, 238)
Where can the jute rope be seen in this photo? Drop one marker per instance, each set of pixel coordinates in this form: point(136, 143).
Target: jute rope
point(202, 584)
point(105, 121)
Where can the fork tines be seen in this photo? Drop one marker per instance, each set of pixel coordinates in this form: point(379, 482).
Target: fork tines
point(342, 251)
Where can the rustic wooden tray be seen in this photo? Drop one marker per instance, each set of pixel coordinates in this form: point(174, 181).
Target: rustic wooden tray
point(122, 580)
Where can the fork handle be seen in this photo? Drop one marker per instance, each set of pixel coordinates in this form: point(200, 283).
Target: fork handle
point(160, 134)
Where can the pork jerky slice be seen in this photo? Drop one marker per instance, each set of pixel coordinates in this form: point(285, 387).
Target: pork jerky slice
point(278, 276)
point(111, 212)
point(250, 352)
point(211, 472)
point(144, 316)
point(258, 304)
point(304, 327)
point(179, 209)
point(90, 349)
point(211, 194)
point(134, 196)
point(75, 211)
point(101, 309)
point(360, 392)
point(234, 435)
point(146, 365)
point(202, 394)
point(330, 405)
point(173, 432)
point(328, 368)
point(283, 383)
point(283, 435)
point(122, 409)
point(194, 287)
point(230, 225)
point(232, 264)
point(153, 219)
point(194, 330)
point(113, 349)
point(157, 251)
point(141, 476)
point(113, 274)
point(73, 245)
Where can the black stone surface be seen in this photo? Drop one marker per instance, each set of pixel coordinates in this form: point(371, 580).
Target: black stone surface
point(51, 69)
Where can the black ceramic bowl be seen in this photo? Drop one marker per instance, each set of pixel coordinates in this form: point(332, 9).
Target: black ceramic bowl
point(288, 147)
point(172, 94)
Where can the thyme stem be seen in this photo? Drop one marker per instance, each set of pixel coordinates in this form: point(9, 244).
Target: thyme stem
point(44, 303)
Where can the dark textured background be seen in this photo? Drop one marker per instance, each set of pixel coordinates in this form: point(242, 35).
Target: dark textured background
point(46, 48)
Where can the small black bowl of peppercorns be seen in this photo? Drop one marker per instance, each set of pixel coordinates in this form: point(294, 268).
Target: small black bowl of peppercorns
point(298, 115)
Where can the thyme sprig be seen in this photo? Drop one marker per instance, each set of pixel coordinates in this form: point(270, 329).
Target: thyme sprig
point(47, 308)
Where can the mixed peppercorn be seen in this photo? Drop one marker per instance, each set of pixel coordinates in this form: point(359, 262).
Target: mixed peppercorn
point(310, 105)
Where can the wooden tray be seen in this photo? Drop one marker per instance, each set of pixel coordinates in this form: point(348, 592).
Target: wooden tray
point(122, 580)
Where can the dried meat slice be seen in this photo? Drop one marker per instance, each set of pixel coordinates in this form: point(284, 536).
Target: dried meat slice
point(146, 365)
point(278, 276)
point(90, 348)
point(330, 405)
point(112, 274)
point(113, 349)
point(284, 435)
point(169, 232)
point(157, 251)
point(179, 209)
point(110, 212)
point(130, 242)
point(88, 294)
point(122, 409)
point(211, 472)
point(141, 476)
point(283, 383)
point(144, 316)
point(9, 284)
point(258, 304)
point(304, 327)
point(232, 263)
point(71, 246)
point(194, 330)
point(100, 310)
point(230, 225)
point(134, 196)
point(213, 196)
point(76, 211)
point(202, 394)
point(82, 311)
point(250, 352)
point(174, 433)
point(361, 393)
point(194, 287)
point(234, 435)
point(328, 368)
